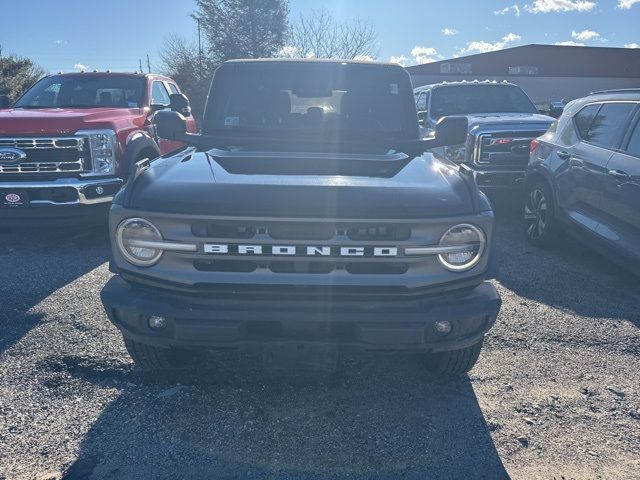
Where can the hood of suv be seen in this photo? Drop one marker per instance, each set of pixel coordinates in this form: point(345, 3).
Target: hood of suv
point(198, 183)
point(63, 121)
point(508, 119)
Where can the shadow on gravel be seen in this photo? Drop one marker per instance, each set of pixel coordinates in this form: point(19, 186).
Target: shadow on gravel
point(567, 275)
point(36, 262)
point(384, 418)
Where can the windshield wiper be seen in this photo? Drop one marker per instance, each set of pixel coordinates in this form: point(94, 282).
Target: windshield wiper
point(77, 106)
point(33, 107)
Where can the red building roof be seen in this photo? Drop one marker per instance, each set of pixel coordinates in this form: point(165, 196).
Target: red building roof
point(541, 60)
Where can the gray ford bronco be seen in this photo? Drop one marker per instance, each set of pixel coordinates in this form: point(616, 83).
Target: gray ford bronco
point(306, 217)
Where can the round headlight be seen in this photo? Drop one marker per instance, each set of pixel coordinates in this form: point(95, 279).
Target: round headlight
point(133, 236)
point(467, 244)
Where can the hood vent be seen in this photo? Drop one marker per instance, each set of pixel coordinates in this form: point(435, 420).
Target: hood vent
point(314, 164)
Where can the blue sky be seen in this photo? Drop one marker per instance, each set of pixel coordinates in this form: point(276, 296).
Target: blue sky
point(115, 34)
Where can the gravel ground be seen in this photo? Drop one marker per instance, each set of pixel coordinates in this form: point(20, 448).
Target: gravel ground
point(555, 395)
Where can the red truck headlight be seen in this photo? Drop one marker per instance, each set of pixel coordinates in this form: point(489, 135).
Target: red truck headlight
point(103, 145)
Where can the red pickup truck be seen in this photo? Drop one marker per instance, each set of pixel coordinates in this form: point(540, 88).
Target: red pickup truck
point(69, 142)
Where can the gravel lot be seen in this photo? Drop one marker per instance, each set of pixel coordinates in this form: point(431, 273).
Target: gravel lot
point(556, 393)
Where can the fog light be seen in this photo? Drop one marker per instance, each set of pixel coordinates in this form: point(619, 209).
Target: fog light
point(157, 323)
point(442, 327)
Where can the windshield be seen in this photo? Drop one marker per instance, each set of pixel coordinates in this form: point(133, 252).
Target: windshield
point(76, 91)
point(275, 99)
point(466, 99)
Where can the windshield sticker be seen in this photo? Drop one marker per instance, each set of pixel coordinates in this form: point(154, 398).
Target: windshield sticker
point(132, 105)
point(393, 88)
point(231, 121)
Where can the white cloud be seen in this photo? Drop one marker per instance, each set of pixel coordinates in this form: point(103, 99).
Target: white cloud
point(546, 6)
point(424, 54)
point(480, 46)
point(449, 31)
point(570, 43)
point(60, 42)
point(401, 59)
point(627, 4)
point(419, 55)
point(632, 45)
point(585, 35)
point(515, 9)
point(288, 51)
point(80, 66)
point(364, 58)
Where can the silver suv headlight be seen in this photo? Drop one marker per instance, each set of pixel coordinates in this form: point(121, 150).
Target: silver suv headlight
point(467, 243)
point(138, 241)
point(104, 147)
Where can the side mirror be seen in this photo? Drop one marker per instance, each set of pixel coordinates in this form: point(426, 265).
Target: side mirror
point(555, 111)
point(180, 104)
point(4, 101)
point(171, 125)
point(422, 119)
point(451, 131)
point(157, 107)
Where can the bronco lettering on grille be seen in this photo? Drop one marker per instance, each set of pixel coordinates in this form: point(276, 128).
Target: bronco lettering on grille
point(301, 251)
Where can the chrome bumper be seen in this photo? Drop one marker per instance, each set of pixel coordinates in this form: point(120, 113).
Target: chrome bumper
point(88, 191)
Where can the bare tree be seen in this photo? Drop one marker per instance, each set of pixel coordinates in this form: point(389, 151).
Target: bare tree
point(182, 61)
point(319, 35)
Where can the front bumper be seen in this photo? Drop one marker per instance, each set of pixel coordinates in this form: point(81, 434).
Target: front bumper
point(59, 199)
point(374, 323)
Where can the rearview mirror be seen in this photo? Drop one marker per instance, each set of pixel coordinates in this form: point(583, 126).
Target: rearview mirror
point(451, 131)
point(4, 101)
point(180, 104)
point(171, 125)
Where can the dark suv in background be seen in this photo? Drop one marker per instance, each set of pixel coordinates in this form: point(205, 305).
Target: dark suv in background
point(585, 173)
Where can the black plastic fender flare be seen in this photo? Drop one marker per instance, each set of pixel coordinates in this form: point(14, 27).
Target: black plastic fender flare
point(138, 143)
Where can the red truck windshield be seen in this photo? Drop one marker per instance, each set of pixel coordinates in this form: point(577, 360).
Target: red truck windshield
point(274, 99)
point(77, 91)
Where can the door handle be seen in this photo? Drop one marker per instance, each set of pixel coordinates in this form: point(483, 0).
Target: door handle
point(564, 155)
point(620, 175)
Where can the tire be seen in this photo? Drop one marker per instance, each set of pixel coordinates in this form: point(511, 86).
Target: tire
point(147, 357)
point(454, 362)
point(539, 219)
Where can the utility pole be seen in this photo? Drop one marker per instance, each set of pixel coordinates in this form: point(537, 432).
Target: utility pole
point(199, 47)
point(148, 64)
point(140, 60)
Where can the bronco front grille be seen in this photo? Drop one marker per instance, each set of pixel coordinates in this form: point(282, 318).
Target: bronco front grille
point(47, 155)
point(300, 235)
point(505, 148)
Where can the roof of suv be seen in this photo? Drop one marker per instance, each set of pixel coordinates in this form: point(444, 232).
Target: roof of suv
point(312, 60)
point(631, 95)
point(621, 94)
point(463, 83)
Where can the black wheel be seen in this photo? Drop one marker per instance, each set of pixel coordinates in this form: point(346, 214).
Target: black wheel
point(454, 362)
point(148, 357)
point(539, 221)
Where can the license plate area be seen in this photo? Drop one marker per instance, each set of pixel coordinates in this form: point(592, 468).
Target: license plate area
point(14, 199)
point(299, 358)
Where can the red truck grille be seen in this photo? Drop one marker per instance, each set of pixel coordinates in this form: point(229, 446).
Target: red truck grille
point(47, 155)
